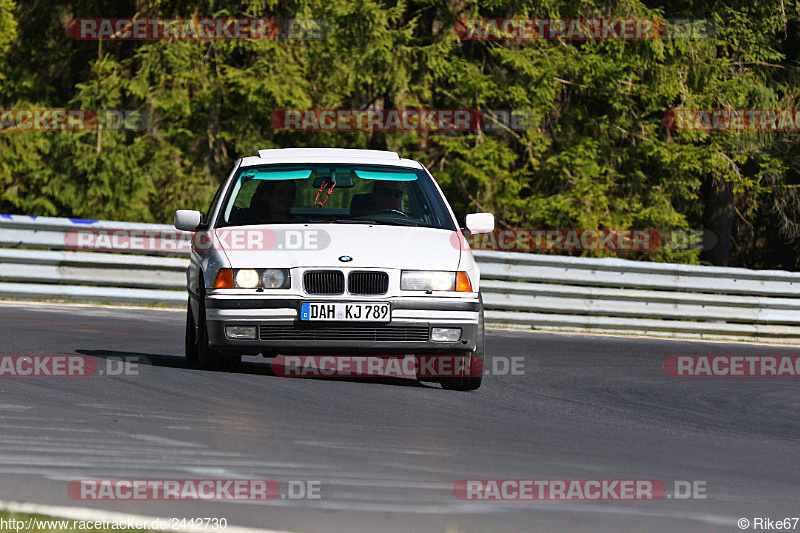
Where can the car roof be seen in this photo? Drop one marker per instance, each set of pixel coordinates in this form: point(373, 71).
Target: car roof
point(328, 156)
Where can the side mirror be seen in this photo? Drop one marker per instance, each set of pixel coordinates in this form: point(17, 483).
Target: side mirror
point(187, 220)
point(480, 222)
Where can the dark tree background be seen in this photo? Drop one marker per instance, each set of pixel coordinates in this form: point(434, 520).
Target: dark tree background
point(596, 154)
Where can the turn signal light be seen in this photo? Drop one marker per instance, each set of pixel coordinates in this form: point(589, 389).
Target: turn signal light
point(463, 283)
point(224, 279)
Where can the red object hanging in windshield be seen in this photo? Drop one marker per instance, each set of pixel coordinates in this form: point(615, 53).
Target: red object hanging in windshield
point(322, 203)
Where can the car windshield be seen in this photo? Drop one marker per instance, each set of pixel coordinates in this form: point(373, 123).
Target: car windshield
point(337, 194)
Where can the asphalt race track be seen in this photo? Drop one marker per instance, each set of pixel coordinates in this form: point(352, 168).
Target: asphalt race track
point(387, 452)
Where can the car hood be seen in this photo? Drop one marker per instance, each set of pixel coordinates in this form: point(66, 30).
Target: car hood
point(322, 245)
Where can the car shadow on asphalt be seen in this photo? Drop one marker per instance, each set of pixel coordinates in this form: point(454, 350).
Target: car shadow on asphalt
point(265, 368)
point(150, 359)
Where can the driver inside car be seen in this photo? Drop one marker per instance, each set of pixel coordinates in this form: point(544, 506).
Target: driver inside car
point(272, 201)
point(385, 195)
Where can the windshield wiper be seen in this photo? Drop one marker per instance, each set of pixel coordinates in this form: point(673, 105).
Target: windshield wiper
point(398, 222)
point(355, 221)
point(378, 221)
point(333, 220)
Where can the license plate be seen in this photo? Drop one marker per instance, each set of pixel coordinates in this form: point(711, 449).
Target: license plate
point(363, 312)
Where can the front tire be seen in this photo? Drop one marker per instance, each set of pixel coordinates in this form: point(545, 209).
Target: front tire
point(207, 358)
point(190, 342)
point(474, 376)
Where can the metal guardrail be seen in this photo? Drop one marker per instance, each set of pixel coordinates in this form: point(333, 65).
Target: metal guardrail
point(630, 297)
point(519, 290)
point(36, 263)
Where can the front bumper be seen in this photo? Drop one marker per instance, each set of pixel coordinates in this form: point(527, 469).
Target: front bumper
point(279, 329)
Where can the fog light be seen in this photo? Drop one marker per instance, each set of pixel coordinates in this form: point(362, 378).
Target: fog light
point(240, 332)
point(445, 334)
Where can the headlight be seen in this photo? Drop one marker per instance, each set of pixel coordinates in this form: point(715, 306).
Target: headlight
point(246, 279)
point(427, 280)
point(250, 278)
point(275, 278)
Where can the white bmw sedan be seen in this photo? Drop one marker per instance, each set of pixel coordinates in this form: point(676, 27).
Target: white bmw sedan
point(332, 251)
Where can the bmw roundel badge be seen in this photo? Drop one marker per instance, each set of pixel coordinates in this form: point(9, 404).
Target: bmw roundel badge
point(345, 259)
